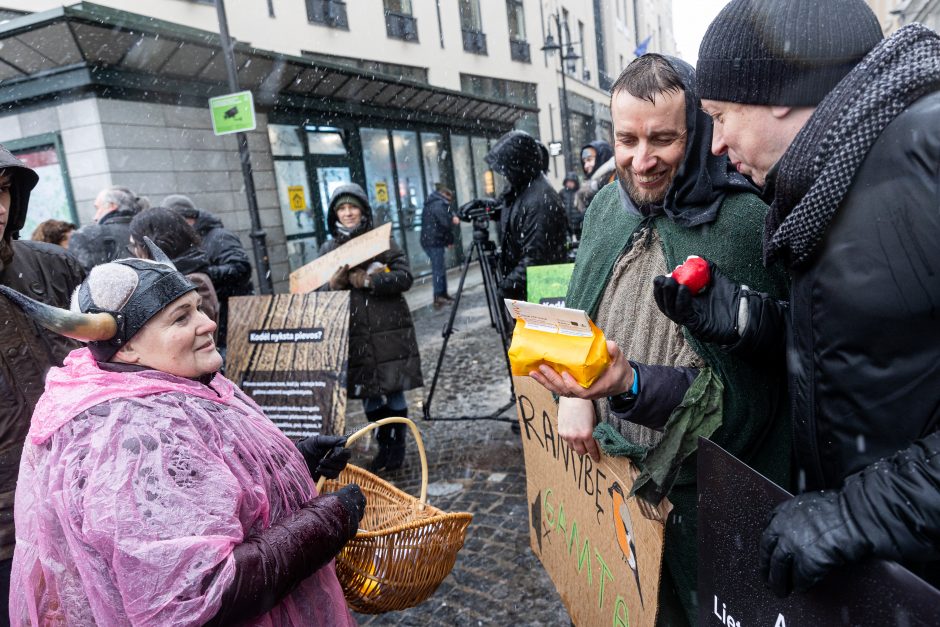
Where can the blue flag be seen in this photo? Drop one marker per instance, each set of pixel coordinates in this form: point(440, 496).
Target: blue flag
point(641, 49)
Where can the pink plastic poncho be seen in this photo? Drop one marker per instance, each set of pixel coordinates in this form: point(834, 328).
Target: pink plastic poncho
point(133, 491)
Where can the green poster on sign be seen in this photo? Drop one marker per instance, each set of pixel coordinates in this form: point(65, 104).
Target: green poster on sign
point(232, 113)
point(548, 285)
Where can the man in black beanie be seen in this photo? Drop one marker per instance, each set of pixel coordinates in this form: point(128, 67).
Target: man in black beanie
point(841, 128)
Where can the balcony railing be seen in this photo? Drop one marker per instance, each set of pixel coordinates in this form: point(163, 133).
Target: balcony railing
point(399, 26)
point(330, 13)
point(519, 50)
point(474, 41)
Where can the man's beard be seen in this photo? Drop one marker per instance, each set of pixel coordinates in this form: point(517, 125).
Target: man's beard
point(644, 196)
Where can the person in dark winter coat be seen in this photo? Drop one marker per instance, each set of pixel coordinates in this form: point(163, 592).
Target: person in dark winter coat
point(383, 349)
point(107, 238)
point(47, 273)
point(597, 161)
point(568, 194)
point(842, 132)
point(229, 266)
point(437, 233)
point(532, 220)
point(168, 230)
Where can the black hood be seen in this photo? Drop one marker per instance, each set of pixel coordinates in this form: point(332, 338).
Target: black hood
point(571, 176)
point(603, 151)
point(349, 189)
point(516, 156)
point(193, 260)
point(703, 180)
point(206, 222)
point(23, 180)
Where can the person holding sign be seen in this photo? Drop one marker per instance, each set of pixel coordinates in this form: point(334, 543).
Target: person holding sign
point(384, 360)
point(841, 128)
point(152, 490)
point(673, 200)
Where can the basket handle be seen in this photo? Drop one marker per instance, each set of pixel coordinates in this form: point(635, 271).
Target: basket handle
point(423, 499)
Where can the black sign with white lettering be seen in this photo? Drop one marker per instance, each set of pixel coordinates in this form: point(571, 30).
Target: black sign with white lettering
point(734, 504)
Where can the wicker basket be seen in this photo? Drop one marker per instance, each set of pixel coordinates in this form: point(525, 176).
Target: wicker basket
point(405, 547)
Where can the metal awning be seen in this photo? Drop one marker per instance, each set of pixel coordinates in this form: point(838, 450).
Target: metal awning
point(43, 54)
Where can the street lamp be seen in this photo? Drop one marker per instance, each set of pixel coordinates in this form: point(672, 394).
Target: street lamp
point(571, 58)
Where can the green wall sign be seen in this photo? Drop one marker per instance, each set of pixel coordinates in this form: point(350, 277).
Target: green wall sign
point(233, 113)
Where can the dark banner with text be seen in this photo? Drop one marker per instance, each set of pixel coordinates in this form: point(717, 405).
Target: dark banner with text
point(735, 502)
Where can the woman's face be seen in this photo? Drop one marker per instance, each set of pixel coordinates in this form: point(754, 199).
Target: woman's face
point(349, 215)
point(178, 340)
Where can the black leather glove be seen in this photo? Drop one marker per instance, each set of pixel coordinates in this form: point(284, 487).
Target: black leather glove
point(325, 455)
point(807, 536)
point(354, 501)
point(711, 315)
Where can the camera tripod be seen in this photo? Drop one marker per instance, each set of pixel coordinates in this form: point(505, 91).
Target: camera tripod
point(483, 250)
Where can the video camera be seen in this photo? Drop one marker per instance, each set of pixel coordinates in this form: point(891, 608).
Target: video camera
point(479, 209)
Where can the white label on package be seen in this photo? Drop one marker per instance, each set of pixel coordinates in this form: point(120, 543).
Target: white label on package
point(550, 319)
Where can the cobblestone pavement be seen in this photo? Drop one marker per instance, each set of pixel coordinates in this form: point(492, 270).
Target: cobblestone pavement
point(477, 467)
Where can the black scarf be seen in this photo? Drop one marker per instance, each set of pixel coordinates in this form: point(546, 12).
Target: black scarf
point(817, 169)
point(703, 180)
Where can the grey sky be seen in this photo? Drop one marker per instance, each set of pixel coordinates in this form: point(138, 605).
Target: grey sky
point(690, 18)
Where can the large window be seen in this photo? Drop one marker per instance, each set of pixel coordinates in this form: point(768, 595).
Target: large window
point(471, 24)
point(328, 13)
point(51, 199)
point(399, 22)
point(518, 46)
point(515, 92)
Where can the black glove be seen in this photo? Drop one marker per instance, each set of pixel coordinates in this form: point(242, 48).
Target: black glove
point(711, 315)
point(354, 501)
point(807, 536)
point(325, 455)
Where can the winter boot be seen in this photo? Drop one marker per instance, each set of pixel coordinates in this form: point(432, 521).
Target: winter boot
point(383, 438)
point(396, 456)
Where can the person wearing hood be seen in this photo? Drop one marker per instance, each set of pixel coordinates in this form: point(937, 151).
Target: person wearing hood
point(597, 162)
point(229, 266)
point(568, 194)
point(152, 490)
point(532, 220)
point(107, 237)
point(384, 361)
point(47, 273)
point(437, 233)
point(842, 128)
point(168, 230)
point(664, 389)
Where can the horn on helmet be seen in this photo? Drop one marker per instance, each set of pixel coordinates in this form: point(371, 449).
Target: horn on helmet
point(157, 254)
point(85, 327)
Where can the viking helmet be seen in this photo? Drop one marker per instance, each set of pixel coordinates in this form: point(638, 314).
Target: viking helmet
point(114, 303)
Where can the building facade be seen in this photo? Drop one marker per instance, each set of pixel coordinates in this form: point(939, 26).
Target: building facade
point(392, 94)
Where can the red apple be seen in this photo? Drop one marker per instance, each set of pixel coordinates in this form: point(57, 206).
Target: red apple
point(693, 274)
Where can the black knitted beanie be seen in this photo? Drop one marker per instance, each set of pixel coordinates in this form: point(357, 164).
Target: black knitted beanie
point(783, 52)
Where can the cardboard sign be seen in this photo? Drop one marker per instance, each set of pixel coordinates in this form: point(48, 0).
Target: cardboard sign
point(233, 113)
point(602, 551)
point(362, 248)
point(734, 504)
point(288, 353)
point(548, 285)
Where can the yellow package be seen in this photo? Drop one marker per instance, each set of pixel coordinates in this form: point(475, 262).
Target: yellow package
point(565, 339)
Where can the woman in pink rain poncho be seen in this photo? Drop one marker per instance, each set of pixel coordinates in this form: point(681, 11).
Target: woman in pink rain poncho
point(152, 491)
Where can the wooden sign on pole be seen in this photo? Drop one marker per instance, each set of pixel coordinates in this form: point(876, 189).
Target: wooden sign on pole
point(602, 549)
point(362, 248)
point(288, 353)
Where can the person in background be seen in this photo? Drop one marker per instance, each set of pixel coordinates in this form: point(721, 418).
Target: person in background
point(384, 361)
point(168, 230)
point(56, 232)
point(229, 266)
point(106, 239)
point(840, 126)
point(569, 194)
point(532, 221)
point(49, 274)
point(154, 491)
point(437, 233)
point(597, 162)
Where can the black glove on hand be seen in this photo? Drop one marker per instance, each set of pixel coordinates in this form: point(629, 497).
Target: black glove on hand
point(711, 315)
point(325, 455)
point(807, 536)
point(354, 501)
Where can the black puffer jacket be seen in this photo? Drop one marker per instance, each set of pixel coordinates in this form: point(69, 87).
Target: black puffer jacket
point(864, 344)
point(48, 274)
point(383, 348)
point(437, 229)
point(569, 200)
point(533, 221)
point(103, 241)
